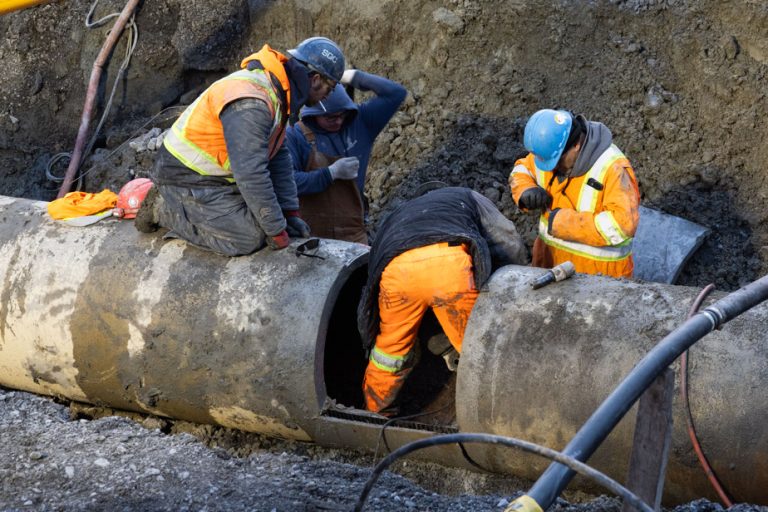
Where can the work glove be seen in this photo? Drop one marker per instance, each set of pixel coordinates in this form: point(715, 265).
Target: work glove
point(345, 168)
point(279, 241)
point(347, 76)
point(296, 227)
point(534, 198)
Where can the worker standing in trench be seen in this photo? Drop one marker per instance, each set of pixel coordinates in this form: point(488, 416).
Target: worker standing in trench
point(330, 149)
point(224, 178)
point(434, 251)
point(586, 189)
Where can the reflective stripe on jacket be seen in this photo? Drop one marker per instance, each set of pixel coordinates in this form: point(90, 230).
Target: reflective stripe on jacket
point(596, 219)
point(197, 137)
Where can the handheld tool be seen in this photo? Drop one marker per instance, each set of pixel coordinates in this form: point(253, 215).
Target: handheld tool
point(558, 273)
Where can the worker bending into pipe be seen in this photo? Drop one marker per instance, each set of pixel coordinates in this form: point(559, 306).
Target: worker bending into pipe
point(224, 176)
point(586, 189)
point(434, 251)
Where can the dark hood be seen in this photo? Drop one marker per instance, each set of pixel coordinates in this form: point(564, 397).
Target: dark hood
point(298, 76)
point(337, 101)
point(599, 138)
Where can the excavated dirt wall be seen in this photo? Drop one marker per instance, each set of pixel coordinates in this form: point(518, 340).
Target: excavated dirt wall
point(680, 83)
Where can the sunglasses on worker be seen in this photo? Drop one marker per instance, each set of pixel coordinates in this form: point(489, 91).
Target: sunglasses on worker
point(330, 82)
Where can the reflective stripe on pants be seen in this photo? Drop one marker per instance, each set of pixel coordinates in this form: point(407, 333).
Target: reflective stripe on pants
point(437, 276)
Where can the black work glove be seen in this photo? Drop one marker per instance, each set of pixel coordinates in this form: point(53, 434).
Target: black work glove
point(534, 198)
point(296, 227)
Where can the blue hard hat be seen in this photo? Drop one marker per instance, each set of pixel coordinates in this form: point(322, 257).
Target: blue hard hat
point(545, 136)
point(321, 55)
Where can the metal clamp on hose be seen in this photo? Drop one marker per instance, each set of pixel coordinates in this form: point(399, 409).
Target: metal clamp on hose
point(559, 273)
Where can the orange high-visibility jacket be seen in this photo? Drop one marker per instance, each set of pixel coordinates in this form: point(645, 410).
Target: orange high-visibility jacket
point(197, 136)
point(597, 216)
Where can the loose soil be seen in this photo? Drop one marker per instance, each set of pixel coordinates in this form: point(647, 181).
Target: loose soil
point(680, 83)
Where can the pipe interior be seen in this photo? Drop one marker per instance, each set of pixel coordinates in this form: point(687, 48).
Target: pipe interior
point(430, 389)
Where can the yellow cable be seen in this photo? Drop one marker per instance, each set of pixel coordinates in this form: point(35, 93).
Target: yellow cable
point(524, 504)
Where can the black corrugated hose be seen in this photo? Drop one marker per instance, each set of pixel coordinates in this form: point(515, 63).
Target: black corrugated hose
point(570, 462)
point(552, 482)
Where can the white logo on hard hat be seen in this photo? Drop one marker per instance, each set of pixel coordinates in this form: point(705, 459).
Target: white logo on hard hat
point(559, 118)
point(133, 202)
point(328, 55)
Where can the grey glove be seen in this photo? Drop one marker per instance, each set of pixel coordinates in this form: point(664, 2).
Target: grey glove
point(345, 168)
point(295, 226)
point(534, 198)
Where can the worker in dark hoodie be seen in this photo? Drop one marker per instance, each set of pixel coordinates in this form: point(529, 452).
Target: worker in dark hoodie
point(586, 191)
point(224, 177)
point(330, 149)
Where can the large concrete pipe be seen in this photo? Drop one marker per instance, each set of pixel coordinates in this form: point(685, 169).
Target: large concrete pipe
point(268, 343)
point(536, 365)
point(106, 315)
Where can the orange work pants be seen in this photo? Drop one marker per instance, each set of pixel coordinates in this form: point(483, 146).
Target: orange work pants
point(438, 276)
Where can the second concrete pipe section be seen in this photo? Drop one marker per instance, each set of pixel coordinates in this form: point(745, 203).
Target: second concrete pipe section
point(536, 365)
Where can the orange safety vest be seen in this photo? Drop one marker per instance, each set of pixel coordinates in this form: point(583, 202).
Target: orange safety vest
point(197, 136)
point(598, 215)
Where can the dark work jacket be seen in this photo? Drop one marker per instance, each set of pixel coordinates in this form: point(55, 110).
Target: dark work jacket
point(451, 214)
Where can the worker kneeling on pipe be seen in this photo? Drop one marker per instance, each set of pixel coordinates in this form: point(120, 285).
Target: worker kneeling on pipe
point(224, 178)
point(434, 251)
point(586, 189)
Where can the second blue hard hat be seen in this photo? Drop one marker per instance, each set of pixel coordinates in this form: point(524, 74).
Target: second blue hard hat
point(321, 55)
point(546, 134)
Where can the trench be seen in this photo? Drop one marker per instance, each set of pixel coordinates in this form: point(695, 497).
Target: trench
point(687, 118)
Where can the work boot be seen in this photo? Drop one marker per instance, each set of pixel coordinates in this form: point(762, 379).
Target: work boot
point(148, 217)
point(451, 358)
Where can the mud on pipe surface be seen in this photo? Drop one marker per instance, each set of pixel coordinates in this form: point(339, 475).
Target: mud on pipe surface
point(536, 365)
point(106, 315)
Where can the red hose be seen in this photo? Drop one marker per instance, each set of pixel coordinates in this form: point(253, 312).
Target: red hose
point(90, 97)
point(711, 476)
